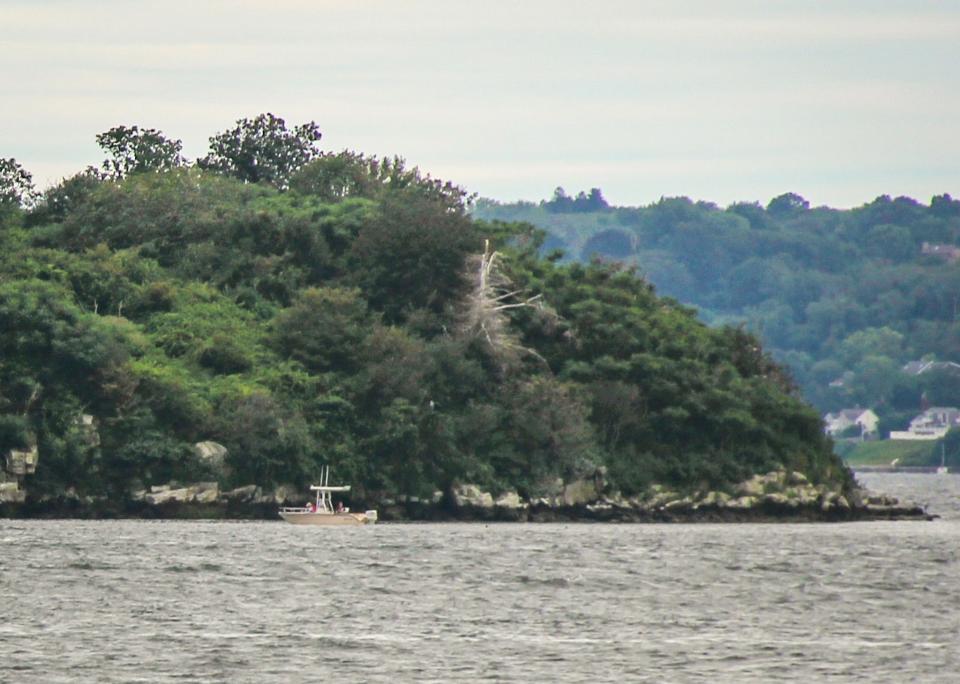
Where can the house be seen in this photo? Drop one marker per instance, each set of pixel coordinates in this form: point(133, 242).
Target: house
point(933, 423)
point(837, 423)
point(946, 251)
point(921, 367)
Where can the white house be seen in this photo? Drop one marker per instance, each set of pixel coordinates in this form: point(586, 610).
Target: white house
point(837, 423)
point(933, 423)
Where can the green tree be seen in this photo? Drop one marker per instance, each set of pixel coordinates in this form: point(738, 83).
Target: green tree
point(132, 149)
point(16, 185)
point(262, 149)
point(787, 204)
point(323, 329)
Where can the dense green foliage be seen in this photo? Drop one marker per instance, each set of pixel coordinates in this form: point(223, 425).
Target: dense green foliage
point(321, 318)
point(845, 298)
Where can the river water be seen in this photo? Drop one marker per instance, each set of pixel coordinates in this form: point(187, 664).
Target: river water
point(148, 601)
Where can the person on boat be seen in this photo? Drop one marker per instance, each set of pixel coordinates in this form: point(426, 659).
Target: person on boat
point(339, 507)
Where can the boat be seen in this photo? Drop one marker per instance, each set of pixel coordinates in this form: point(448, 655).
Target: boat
point(323, 511)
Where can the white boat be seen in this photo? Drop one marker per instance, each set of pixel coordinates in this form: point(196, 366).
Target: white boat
point(323, 511)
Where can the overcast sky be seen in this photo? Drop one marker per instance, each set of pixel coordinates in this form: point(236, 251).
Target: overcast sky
point(840, 100)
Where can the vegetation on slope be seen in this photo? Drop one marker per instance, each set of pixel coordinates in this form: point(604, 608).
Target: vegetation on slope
point(306, 308)
point(844, 298)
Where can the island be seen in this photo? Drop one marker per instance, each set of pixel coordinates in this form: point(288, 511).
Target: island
point(200, 339)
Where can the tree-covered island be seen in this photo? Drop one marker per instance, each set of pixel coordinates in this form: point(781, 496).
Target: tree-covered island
point(226, 327)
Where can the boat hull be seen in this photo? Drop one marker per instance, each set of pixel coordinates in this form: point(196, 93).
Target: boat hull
point(309, 518)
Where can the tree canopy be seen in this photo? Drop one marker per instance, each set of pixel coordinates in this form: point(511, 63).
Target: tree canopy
point(306, 309)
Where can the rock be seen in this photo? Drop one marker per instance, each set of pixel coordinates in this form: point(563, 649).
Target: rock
point(779, 499)
point(201, 492)
point(753, 487)
point(214, 456)
point(660, 496)
point(509, 499)
point(617, 501)
point(280, 495)
point(165, 496)
point(797, 478)
point(10, 492)
point(22, 462)
point(87, 425)
point(245, 494)
point(758, 485)
point(204, 492)
point(742, 503)
point(718, 499)
point(580, 492)
point(472, 495)
point(678, 504)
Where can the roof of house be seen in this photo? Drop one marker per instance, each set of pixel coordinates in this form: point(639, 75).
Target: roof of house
point(849, 414)
point(920, 367)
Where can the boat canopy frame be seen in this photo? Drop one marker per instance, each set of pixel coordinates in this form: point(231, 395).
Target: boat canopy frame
point(325, 491)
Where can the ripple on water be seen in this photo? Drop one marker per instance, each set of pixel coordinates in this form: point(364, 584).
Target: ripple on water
point(134, 601)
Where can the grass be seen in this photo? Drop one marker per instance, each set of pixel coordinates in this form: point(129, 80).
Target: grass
point(884, 452)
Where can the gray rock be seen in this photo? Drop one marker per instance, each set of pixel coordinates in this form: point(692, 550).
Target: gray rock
point(742, 503)
point(22, 462)
point(88, 427)
point(245, 494)
point(510, 499)
point(579, 492)
point(10, 492)
point(472, 495)
point(214, 456)
point(200, 492)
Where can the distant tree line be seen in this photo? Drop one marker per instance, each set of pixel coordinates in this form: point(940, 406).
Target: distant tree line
point(846, 298)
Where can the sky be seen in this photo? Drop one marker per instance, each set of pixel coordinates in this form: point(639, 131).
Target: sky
point(722, 101)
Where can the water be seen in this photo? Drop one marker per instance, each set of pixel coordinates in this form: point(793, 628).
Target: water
point(138, 601)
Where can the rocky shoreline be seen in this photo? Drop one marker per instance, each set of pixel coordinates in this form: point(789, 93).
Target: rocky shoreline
point(777, 496)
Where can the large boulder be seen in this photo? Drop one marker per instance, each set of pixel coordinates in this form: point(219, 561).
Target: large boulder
point(213, 455)
point(87, 425)
point(22, 462)
point(472, 495)
point(245, 494)
point(580, 492)
point(200, 492)
point(10, 492)
point(510, 499)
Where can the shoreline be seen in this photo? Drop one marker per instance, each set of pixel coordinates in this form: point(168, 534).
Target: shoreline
point(765, 512)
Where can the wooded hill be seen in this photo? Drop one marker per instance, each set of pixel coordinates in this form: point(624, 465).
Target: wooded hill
point(844, 298)
point(306, 308)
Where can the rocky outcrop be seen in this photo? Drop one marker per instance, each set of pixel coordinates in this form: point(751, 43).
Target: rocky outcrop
point(471, 496)
point(10, 492)
point(775, 495)
point(22, 462)
point(200, 492)
point(213, 456)
point(246, 494)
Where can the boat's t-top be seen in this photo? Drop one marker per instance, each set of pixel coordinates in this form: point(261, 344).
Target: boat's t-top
point(325, 492)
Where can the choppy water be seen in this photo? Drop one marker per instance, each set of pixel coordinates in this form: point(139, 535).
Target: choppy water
point(137, 601)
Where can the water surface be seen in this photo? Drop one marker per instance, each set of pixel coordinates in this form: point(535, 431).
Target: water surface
point(139, 601)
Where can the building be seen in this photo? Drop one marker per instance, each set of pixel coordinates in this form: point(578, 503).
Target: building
point(933, 423)
point(835, 424)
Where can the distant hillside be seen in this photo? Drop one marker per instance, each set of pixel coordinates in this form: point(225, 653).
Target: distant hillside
point(846, 298)
point(305, 308)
